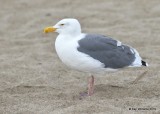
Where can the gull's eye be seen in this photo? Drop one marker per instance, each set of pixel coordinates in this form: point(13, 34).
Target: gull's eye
point(61, 24)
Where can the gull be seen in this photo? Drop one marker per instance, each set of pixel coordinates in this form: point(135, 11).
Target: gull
point(91, 53)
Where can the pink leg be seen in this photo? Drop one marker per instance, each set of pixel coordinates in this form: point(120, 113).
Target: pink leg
point(91, 86)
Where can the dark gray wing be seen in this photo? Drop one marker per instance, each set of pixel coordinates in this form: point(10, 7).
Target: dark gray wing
point(105, 50)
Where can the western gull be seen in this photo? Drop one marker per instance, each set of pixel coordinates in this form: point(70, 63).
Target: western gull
point(91, 53)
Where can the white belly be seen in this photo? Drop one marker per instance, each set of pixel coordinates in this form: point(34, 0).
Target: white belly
point(68, 53)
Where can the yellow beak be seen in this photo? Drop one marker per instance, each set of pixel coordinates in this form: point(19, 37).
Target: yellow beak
point(49, 29)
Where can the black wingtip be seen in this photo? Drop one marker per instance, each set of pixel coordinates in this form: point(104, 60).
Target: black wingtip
point(144, 63)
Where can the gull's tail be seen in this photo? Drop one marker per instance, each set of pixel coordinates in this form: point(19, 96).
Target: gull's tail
point(144, 63)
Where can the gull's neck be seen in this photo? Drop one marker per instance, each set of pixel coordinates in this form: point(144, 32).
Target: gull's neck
point(73, 35)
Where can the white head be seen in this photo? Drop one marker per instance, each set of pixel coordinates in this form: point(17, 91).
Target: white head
point(65, 26)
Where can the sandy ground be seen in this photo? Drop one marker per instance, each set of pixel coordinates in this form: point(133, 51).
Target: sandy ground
point(34, 81)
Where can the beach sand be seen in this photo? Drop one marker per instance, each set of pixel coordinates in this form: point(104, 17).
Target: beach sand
point(34, 81)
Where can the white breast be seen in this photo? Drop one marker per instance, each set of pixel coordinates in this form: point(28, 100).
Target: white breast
point(66, 49)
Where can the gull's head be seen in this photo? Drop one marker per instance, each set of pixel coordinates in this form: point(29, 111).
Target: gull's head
point(65, 26)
